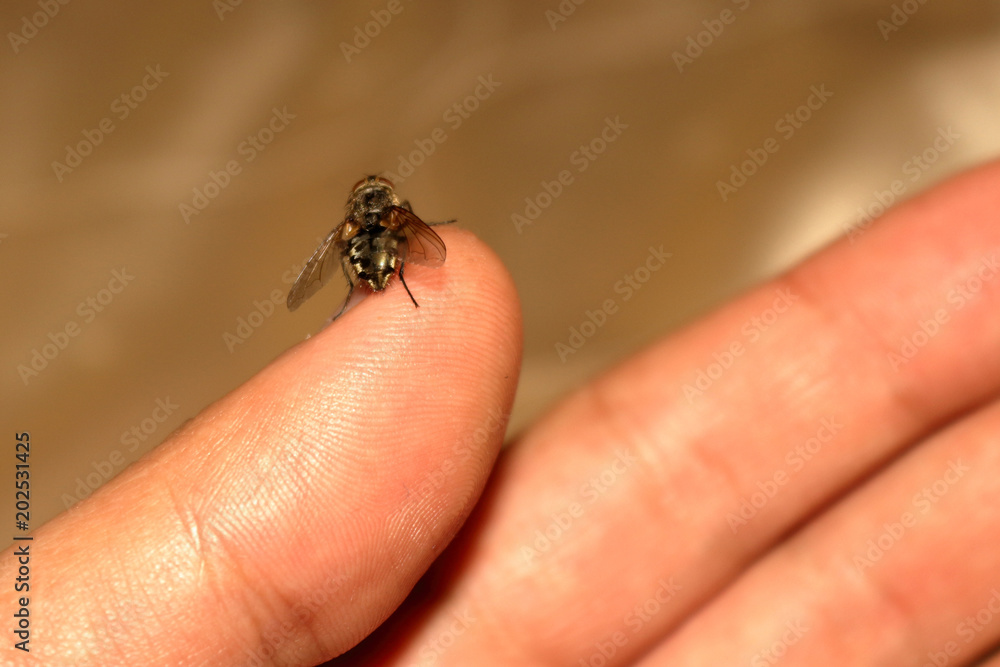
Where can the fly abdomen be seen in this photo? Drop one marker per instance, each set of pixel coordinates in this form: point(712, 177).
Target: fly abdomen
point(373, 256)
point(372, 242)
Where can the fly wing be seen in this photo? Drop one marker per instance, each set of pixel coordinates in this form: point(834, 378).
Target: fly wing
point(316, 273)
point(422, 244)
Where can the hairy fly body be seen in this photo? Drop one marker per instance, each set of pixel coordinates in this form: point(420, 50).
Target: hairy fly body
point(379, 235)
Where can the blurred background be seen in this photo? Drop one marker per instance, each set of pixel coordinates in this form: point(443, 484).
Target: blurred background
point(166, 169)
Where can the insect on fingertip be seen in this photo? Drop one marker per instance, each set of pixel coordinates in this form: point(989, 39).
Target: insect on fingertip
point(378, 236)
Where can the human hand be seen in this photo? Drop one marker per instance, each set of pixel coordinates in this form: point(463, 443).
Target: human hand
point(812, 498)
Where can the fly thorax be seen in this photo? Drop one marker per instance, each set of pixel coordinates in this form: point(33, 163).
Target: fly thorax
point(368, 204)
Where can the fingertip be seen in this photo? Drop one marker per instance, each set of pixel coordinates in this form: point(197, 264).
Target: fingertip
point(468, 318)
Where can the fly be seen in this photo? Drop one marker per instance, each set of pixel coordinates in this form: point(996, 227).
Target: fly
point(379, 235)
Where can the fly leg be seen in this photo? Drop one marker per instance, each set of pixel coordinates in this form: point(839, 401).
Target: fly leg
point(406, 204)
point(401, 264)
point(343, 307)
point(352, 282)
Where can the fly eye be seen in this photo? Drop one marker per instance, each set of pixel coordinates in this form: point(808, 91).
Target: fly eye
point(385, 181)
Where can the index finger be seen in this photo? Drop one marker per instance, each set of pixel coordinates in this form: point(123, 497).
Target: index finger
point(289, 518)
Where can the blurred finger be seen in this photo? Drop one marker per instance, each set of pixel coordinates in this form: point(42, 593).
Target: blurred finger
point(903, 572)
point(691, 460)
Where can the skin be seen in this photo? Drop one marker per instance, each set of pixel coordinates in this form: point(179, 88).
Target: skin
point(286, 522)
